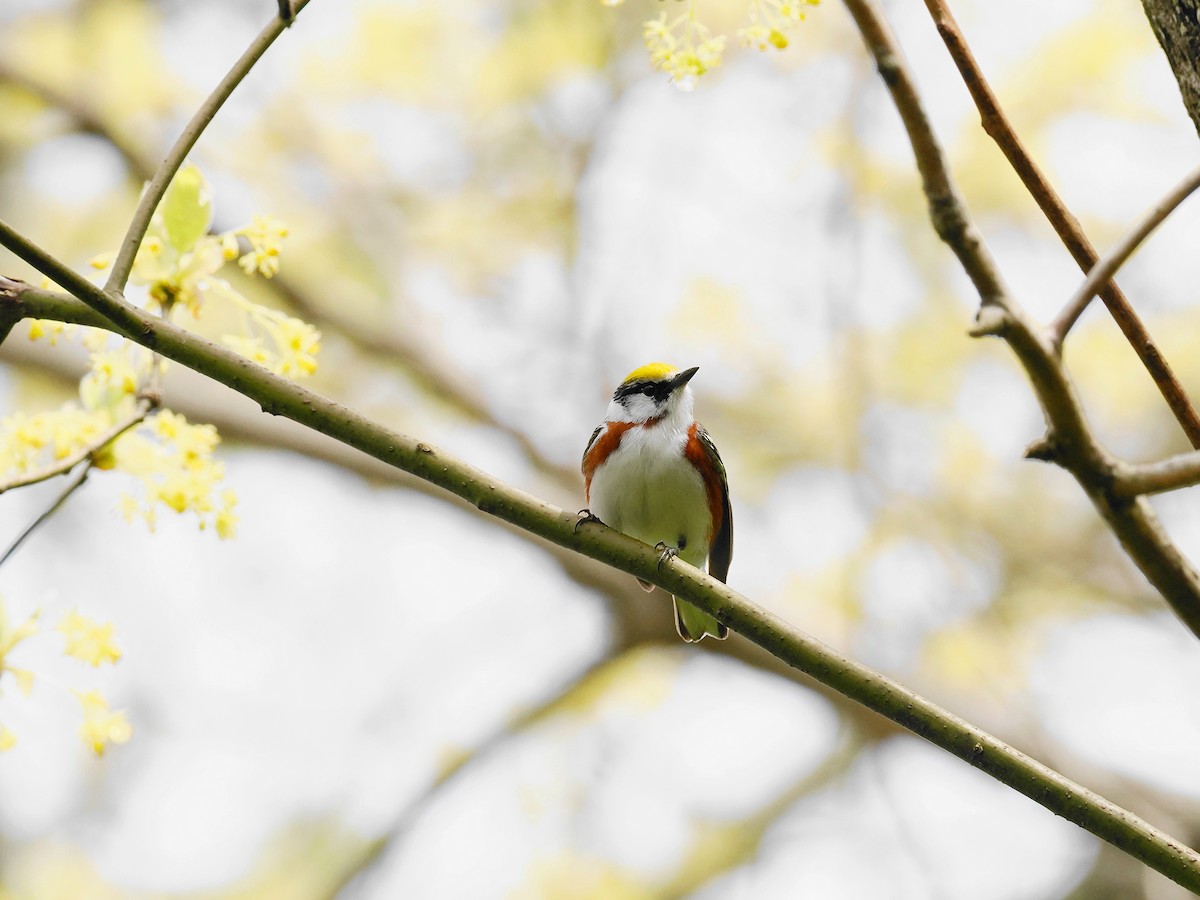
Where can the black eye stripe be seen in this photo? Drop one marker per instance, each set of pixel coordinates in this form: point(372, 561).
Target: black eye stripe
point(655, 390)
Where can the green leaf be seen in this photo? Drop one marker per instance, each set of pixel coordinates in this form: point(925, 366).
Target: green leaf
point(186, 209)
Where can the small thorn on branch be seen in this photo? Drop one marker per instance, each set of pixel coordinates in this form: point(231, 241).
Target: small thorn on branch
point(1044, 449)
point(151, 396)
point(989, 321)
point(888, 66)
point(12, 287)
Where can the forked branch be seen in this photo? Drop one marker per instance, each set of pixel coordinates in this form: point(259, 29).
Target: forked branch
point(1158, 477)
point(1066, 226)
point(157, 187)
point(1069, 440)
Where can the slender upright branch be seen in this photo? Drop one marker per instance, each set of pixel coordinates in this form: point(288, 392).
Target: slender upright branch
point(1069, 441)
point(153, 194)
point(278, 396)
point(946, 208)
point(1064, 223)
point(1107, 267)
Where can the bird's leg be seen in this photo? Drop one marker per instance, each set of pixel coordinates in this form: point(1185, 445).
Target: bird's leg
point(585, 516)
point(666, 551)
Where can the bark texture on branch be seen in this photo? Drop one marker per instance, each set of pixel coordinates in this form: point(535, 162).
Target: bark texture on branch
point(1177, 27)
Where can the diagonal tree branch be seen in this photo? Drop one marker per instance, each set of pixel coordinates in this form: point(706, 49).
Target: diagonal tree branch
point(997, 126)
point(278, 396)
point(1069, 442)
point(110, 302)
point(635, 621)
point(71, 488)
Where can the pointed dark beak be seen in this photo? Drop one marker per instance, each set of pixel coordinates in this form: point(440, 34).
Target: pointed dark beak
point(683, 378)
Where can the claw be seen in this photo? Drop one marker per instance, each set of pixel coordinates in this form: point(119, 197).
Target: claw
point(585, 516)
point(665, 552)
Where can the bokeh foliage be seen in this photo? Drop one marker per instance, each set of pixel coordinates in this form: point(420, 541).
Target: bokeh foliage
point(495, 210)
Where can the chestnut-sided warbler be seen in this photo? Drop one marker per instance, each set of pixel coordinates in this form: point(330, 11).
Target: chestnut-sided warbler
point(652, 472)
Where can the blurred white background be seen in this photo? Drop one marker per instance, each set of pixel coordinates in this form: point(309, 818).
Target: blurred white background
point(375, 691)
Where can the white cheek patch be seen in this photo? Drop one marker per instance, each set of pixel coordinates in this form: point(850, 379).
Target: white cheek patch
point(634, 408)
point(641, 407)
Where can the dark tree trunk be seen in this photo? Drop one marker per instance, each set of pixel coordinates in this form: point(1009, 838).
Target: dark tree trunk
point(1178, 31)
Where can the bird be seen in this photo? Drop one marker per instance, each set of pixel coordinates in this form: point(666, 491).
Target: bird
point(651, 471)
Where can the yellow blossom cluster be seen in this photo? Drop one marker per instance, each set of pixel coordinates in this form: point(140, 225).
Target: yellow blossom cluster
point(172, 458)
point(684, 48)
point(101, 725)
point(265, 236)
point(86, 640)
point(284, 344)
point(771, 20)
point(30, 441)
point(49, 329)
point(114, 379)
point(179, 260)
point(174, 461)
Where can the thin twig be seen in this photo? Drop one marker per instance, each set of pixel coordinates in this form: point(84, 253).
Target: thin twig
point(62, 498)
point(946, 209)
point(1065, 225)
point(67, 463)
point(1107, 267)
point(873, 690)
point(1157, 477)
point(153, 194)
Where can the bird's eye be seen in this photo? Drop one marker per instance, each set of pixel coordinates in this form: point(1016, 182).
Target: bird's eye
point(656, 391)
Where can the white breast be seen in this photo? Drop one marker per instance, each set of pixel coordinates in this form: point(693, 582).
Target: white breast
point(648, 490)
